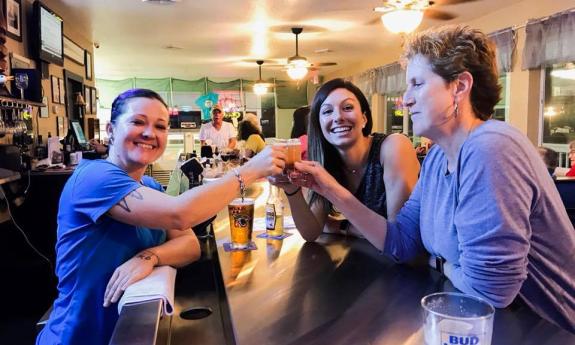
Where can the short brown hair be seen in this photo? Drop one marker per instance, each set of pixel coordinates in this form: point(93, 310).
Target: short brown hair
point(452, 50)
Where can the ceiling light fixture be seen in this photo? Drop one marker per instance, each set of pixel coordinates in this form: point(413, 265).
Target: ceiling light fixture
point(402, 20)
point(403, 16)
point(297, 65)
point(260, 87)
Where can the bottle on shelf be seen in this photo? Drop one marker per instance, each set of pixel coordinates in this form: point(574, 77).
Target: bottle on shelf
point(274, 213)
point(69, 144)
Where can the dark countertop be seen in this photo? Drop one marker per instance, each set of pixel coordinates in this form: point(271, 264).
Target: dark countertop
point(8, 176)
point(342, 291)
point(338, 290)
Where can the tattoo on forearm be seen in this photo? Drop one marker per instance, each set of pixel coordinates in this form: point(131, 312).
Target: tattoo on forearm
point(147, 255)
point(124, 205)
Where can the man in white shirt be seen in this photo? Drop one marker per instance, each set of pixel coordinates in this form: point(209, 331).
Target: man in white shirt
point(217, 132)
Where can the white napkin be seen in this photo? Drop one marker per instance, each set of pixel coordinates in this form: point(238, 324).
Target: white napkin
point(158, 285)
point(260, 223)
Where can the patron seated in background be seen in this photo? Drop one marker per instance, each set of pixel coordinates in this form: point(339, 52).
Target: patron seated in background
point(571, 171)
point(550, 158)
point(376, 173)
point(218, 132)
point(299, 128)
point(115, 224)
point(252, 137)
point(484, 204)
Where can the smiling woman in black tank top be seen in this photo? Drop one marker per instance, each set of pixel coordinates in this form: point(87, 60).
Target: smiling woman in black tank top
point(358, 178)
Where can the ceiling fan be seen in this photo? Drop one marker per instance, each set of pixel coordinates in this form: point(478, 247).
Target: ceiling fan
point(297, 65)
point(406, 15)
point(260, 86)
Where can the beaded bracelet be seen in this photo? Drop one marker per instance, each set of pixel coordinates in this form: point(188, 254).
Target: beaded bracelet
point(241, 182)
point(294, 192)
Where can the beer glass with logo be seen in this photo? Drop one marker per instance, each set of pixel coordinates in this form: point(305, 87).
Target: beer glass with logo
point(455, 319)
point(241, 213)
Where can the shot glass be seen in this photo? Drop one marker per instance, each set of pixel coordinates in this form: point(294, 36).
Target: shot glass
point(241, 213)
point(454, 318)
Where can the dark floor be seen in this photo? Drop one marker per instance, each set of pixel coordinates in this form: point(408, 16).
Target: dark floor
point(18, 331)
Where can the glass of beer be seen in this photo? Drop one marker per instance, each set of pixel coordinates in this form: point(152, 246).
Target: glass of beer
point(283, 144)
point(293, 154)
point(241, 213)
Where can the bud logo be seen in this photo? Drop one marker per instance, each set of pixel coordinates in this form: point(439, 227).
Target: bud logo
point(456, 339)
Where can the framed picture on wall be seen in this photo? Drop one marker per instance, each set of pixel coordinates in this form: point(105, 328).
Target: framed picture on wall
point(55, 89)
point(13, 12)
point(94, 100)
point(62, 91)
point(73, 51)
point(88, 99)
point(19, 61)
point(60, 126)
point(88, 64)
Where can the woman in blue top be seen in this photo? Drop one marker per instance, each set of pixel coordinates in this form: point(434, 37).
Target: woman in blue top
point(115, 224)
point(484, 203)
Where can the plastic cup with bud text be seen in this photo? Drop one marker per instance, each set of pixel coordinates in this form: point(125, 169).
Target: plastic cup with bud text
point(452, 318)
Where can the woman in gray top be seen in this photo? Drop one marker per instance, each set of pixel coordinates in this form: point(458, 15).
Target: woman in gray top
point(484, 203)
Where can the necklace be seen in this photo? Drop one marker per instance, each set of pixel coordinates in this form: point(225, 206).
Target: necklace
point(354, 171)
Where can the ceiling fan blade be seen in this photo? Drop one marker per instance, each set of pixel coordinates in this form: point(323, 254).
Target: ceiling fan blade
point(452, 2)
point(373, 21)
point(323, 64)
point(276, 66)
point(265, 61)
point(439, 15)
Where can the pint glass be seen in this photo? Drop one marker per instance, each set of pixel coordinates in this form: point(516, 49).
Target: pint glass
point(293, 154)
point(241, 215)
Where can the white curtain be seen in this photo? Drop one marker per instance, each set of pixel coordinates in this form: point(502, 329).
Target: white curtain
point(550, 40)
point(386, 79)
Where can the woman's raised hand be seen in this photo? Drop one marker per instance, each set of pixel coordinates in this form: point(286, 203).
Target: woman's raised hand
point(312, 175)
point(270, 161)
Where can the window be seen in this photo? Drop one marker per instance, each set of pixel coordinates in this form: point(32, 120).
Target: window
point(395, 118)
point(502, 108)
point(559, 105)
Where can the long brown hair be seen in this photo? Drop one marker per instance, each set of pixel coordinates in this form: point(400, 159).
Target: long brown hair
point(319, 149)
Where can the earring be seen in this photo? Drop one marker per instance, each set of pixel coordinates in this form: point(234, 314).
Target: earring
point(111, 140)
point(455, 109)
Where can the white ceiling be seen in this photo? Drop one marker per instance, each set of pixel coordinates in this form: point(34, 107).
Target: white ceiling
point(216, 37)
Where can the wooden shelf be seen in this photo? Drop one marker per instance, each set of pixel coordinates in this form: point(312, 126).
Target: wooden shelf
point(20, 101)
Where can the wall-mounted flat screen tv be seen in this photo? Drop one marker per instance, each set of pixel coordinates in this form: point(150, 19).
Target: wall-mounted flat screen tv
point(48, 34)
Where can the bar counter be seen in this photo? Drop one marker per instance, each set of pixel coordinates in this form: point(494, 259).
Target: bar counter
point(338, 290)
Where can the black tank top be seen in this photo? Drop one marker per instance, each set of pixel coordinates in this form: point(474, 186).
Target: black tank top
point(371, 190)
